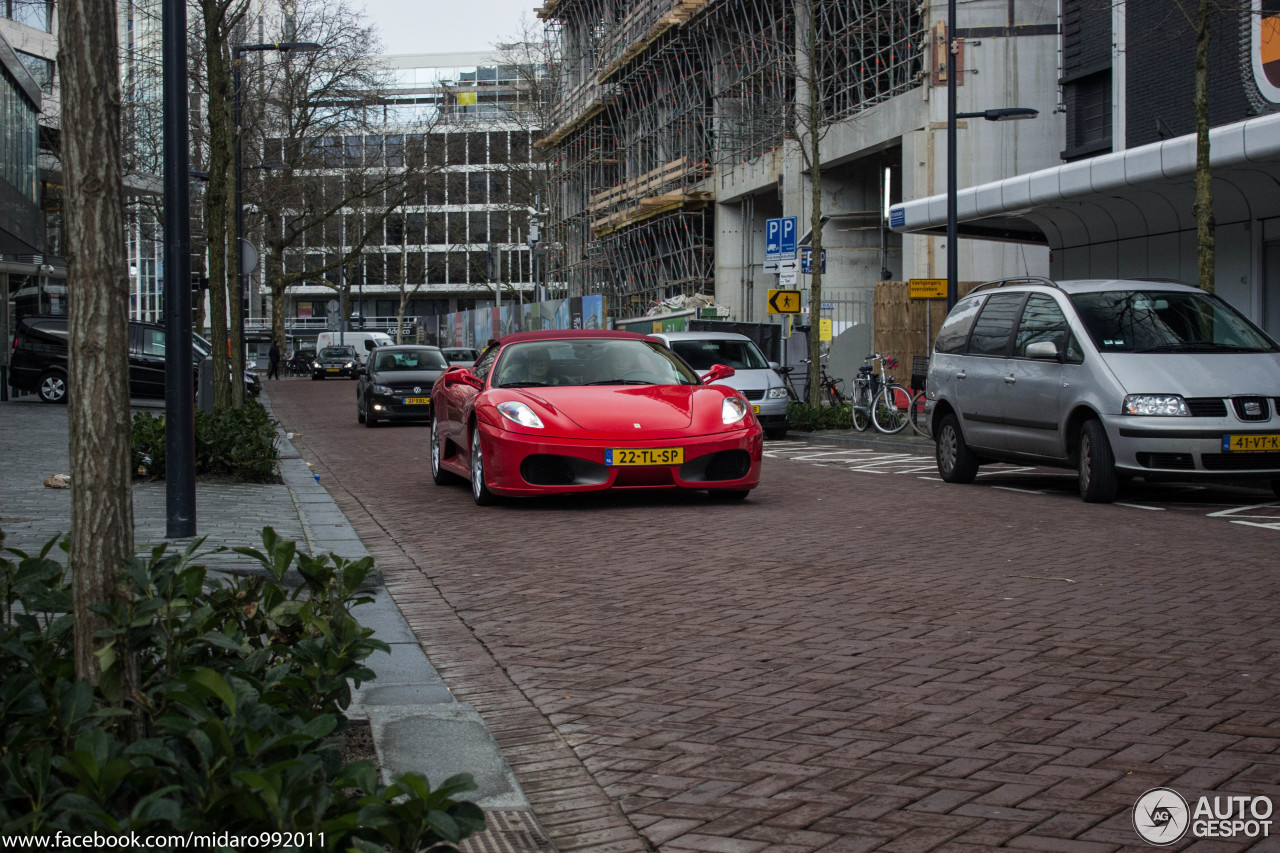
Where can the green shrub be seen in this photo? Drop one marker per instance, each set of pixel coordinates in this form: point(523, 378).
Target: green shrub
point(235, 726)
point(803, 418)
point(238, 443)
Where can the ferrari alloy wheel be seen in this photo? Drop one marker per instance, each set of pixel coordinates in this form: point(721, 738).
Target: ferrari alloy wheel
point(439, 476)
point(479, 490)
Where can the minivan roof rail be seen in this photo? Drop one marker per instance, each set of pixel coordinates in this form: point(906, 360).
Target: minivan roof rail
point(1022, 279)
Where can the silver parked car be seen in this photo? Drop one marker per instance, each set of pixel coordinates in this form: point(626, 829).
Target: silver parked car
point(754, 375)
point(1114, 378)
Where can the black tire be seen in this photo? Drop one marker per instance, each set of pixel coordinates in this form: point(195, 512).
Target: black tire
point(776, 433)
point(861, 412)
point(359, 410)
point(956, 462)
point(479, 489)
point(369, 420)
point(52, 387)
point(887, 414)
point(1096, 464)
point(439, 475)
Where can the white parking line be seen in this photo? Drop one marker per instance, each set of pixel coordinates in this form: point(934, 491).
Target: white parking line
point(1006, 471)
point(1140, 506)
point(1023, 491)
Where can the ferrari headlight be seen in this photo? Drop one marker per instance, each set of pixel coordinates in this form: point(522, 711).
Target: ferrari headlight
point(514, 410)
point(381, 389)
point(733, 410)
point(1166, 405)
point(776, 393)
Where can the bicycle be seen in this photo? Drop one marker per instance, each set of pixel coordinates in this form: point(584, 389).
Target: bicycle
point(830, 384)
point(785, 373)
point(892, 404)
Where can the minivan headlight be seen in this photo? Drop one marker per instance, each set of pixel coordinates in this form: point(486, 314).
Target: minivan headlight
point(1157, 405)
point(732, 410)
point(776, 393)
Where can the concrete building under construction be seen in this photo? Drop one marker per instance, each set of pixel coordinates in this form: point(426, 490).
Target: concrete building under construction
point(674, 138)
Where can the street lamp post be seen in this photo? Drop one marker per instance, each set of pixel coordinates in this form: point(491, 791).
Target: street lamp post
point(242, 276)
point(1002, 114)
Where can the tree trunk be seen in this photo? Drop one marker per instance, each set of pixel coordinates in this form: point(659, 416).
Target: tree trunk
point(276, 285)
point(1205, 224)
point(217, 202)
point(97, 273)
point(235, 295)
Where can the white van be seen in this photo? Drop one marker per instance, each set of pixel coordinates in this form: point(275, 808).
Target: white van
point(362, 341)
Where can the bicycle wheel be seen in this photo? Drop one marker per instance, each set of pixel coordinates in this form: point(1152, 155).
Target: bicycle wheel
point(891, 410)
point(862, 408)
point(915, 415)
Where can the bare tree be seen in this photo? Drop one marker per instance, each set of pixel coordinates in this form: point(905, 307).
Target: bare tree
point(101, 501)
point(328, 116)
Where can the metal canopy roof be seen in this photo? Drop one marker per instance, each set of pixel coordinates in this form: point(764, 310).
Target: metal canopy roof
point(1140, 192)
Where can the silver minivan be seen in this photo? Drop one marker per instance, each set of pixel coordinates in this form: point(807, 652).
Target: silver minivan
point(753, 375)
point(1114, 378)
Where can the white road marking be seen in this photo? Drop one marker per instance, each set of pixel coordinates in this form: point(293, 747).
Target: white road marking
point(1140, 506)
point(1023, 491)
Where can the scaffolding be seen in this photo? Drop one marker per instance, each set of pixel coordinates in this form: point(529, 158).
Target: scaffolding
point(658, 94)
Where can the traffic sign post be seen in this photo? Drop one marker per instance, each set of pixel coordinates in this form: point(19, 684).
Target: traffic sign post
point(806, 260)
point(784, 302)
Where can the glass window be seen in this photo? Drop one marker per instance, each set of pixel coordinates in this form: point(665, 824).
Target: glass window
point(1166, 321)
point(481, 367)
point(954, 333)
point(153, 342)
point(591, 362)
point(994, 326)
point(703, 355)
point(1042, 320)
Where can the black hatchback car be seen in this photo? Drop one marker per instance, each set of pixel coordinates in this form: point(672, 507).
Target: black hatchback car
point(335, 361)
point(39, 360)
point(396, 385)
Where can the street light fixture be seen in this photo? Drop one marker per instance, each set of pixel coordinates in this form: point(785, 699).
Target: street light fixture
point(242, 277)
point(1000, 114)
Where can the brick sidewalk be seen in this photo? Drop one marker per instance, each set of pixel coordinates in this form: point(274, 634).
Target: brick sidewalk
point(845, 662)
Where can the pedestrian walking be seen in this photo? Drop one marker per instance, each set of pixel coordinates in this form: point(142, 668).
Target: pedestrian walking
point(274, 355)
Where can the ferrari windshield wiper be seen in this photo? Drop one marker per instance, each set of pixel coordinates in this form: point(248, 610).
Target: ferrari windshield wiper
point(623, 382)
point(523, 385)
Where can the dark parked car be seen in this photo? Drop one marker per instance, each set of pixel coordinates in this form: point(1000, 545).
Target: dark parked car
point(461, 356)
point(300, 364)
point(335, 361)
point(39, 360)
point(397, 384)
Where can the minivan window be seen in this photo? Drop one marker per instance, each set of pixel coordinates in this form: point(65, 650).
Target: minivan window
point(955, 331)
point(703, 355)
point(1166, 321)
point(994, 326)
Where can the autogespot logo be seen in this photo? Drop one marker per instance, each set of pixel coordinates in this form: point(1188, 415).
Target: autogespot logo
point(1161, 816)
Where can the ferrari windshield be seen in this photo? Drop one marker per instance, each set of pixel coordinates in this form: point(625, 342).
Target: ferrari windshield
point(590, 361)
point(1166, 321)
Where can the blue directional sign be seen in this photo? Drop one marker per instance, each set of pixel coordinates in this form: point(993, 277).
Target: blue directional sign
point(780, 238)
point(806, 260)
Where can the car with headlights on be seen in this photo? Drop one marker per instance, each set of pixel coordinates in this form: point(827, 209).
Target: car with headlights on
point(753, 375)
point(335, 361)
point(396, 384)
point(586, 410)
point(1114, 378)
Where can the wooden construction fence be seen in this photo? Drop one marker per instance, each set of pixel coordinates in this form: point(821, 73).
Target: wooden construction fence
point(900, 323)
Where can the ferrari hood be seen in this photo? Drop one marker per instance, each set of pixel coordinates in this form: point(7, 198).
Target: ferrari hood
point(622, 408)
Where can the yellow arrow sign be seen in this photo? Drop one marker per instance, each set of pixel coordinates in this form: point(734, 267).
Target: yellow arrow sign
point(928, 288)
point(784, 302)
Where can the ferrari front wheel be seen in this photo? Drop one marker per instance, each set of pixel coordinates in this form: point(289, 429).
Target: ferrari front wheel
point(479, 490)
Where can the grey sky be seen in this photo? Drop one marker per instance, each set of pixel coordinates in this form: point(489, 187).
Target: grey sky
point(440, 26)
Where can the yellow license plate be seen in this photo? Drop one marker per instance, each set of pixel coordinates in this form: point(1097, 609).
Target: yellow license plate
point(755, 410)
point(1267, 443)
point(417, 401)
point(644, 456)
point(333, 369)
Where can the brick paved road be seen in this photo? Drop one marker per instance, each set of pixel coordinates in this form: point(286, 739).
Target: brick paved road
point(847, 661)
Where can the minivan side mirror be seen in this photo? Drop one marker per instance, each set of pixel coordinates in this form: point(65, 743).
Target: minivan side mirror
point(773, 365)
point(1047, 350)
